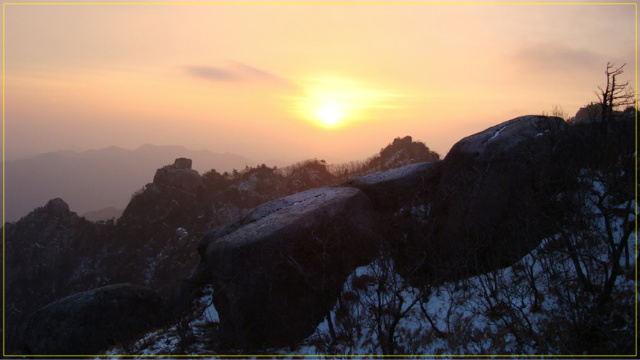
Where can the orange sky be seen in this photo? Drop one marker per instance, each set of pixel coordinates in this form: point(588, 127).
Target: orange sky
point(259, 80)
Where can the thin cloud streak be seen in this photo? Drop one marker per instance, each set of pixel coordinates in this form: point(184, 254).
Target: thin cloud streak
point(253, 72)
point(212, 73)
point(239, 73)
point(556, 56)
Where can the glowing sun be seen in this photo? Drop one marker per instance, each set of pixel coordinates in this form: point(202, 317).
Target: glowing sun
point(333, 103)
point(330, 113)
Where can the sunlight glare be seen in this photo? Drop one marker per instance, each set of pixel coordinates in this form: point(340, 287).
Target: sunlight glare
point(330, 113)
point(332, 103)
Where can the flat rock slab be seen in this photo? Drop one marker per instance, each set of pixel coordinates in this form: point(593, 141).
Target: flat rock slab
point(278, 270)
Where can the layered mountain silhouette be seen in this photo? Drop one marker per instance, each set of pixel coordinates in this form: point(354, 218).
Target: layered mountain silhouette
point(96, 179)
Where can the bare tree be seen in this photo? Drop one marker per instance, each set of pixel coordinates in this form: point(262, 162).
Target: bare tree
point(614, 94)
point(558, 111)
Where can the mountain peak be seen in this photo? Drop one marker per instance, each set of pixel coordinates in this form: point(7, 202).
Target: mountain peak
point(57, 206)
point(182, 163)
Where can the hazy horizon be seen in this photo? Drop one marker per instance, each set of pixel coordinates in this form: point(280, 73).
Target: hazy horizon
point(294, 82)
point(21, 153)
point(288, 159)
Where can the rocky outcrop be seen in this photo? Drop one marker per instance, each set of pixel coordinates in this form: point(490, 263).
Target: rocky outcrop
point(89, 322)
point(401, 152)
point(588, 113)
point(278, 270)
point(180, 176)
point(162, 225)
point(491, 200)
point(57, 207)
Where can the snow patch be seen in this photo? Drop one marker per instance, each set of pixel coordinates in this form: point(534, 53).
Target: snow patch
point(497, 133)
point(181, 233)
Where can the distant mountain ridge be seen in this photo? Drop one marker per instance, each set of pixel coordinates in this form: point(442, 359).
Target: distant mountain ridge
point(96, 179)
point(103, 214)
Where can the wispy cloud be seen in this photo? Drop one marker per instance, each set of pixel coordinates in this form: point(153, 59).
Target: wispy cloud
point(556, 56)
point(252, 71)
point(212, 73)
point(239, 73)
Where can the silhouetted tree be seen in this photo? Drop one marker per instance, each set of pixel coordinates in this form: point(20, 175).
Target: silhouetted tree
point(614, 94)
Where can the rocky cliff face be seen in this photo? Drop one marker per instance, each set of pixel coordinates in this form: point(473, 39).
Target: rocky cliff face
point(179, 176)
point(401, 152)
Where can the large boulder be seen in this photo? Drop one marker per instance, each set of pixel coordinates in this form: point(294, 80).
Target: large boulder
point(278, 270)
point(491, 200)
point(89, 322)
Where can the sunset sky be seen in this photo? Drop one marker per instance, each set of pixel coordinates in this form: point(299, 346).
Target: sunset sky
point(292, 82)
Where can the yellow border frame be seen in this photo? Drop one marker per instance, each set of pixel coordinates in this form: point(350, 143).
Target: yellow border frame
point(306, 3)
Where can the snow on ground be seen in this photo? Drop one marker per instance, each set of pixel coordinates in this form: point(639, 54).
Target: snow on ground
point(501, 312)
point(190, 336)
